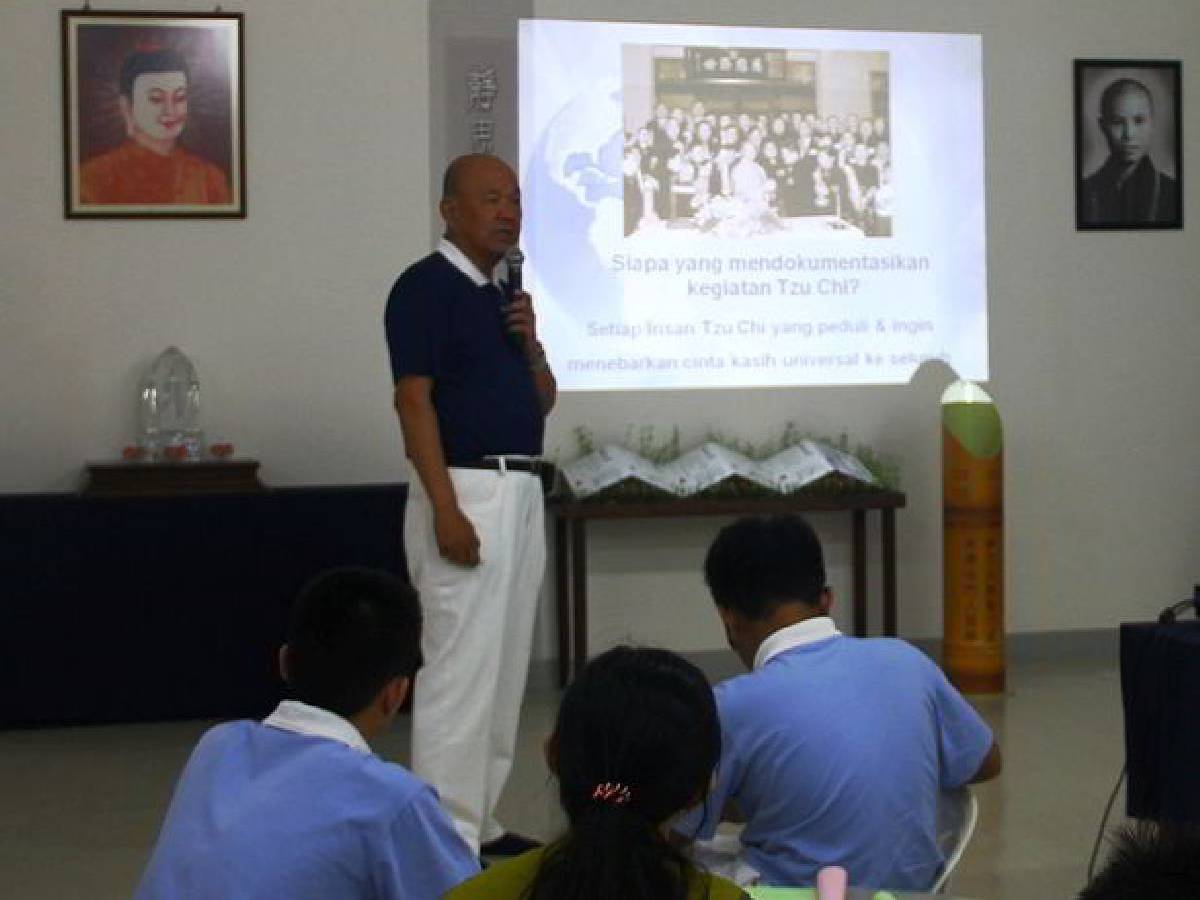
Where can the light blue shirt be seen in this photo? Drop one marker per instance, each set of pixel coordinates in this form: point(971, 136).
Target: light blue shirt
point(835, 749)
point(298, 807)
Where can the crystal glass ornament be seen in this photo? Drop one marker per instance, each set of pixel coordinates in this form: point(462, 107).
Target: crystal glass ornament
point(169, 406)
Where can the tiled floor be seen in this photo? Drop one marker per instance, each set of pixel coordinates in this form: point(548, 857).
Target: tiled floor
point(80, 807)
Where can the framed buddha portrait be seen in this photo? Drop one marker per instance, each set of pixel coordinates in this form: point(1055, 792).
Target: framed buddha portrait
point(153, 115)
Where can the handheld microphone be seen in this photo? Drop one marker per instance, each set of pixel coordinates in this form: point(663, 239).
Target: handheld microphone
point(515, 260)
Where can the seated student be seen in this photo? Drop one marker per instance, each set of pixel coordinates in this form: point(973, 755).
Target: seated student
point(635, 743)
point(1150, 861)
point(834, 748)
point(298, 806)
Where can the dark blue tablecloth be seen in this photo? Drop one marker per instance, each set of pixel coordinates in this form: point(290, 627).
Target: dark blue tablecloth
point(118, 610)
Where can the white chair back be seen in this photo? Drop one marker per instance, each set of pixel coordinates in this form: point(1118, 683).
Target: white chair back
point(958, 811)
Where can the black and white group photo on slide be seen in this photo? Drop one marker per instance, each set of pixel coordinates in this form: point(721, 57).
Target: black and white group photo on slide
point(745, 142)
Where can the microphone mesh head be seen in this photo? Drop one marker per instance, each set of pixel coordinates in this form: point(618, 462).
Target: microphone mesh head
point(515, 258)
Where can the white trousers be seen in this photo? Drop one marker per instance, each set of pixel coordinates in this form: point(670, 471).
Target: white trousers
point(476, 641)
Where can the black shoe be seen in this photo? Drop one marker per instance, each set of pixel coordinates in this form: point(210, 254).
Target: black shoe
point(509, 844)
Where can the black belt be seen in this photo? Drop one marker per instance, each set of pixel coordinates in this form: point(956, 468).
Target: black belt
point(508, 464)
point(541, 469)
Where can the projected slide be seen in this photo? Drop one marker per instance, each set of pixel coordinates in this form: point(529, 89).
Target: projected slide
point(711, 207)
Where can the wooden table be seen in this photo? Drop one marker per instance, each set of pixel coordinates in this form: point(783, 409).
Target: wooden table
point(570, 545)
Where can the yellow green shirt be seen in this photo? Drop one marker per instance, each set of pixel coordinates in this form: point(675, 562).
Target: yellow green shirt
point(509, 880)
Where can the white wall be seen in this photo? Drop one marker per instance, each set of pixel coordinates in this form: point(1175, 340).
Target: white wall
point(1093, 335)
point(281, 312)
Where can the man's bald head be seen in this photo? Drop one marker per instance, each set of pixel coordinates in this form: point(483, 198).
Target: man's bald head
point(462, 167)
point(481, 206)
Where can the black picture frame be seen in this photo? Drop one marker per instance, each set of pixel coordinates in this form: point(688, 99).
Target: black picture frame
point(144, 142)
point(1128, 177)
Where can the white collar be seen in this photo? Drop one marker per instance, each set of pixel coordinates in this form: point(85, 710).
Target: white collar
point(818, 628)
point(301, 718)
point(460, 261)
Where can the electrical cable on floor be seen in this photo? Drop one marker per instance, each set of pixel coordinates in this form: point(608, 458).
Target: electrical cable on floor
point(1103, 823)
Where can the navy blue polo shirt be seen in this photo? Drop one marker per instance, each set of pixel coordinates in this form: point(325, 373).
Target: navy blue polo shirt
point(441, 325)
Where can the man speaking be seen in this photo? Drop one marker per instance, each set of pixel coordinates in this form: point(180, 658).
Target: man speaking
point(472, 391)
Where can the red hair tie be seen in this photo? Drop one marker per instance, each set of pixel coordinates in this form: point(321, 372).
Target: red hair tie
point(612, 792)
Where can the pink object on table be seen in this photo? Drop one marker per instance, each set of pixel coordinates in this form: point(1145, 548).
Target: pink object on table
point(831, 883)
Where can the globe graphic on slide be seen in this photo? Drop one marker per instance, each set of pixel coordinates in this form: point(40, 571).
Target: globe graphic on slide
point(573, 187)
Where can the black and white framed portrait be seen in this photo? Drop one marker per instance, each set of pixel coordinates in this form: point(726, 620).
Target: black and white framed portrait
point(1128, 144)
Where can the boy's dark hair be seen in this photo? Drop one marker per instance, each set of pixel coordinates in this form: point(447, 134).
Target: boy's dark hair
point(756, 563)
point(641, 720)
point(1150, 862)
point(351, 631)
point(139, 62)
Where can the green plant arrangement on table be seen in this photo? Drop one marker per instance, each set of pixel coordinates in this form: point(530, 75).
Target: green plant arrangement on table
point(647, 467)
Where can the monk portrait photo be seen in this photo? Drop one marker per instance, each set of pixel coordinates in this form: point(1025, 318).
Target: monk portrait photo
point(1128, 144)
point(153, 115)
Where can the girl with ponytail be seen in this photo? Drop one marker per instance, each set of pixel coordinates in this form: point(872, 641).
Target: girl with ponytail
point(635, 745)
